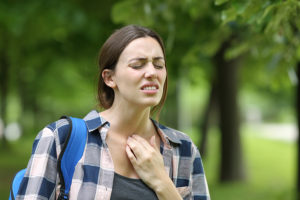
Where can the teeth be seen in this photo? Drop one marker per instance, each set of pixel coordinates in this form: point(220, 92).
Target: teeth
point(149, 88)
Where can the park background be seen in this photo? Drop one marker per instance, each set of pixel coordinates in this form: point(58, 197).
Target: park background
point(233, 70)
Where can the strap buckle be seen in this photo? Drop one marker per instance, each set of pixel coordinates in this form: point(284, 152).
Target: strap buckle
point(62, 195)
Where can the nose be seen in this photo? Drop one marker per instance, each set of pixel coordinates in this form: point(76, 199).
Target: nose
point(150, 71)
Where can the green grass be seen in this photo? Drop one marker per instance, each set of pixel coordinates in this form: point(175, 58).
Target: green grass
point(270, 170)
point(270, 167)
point(13, 158)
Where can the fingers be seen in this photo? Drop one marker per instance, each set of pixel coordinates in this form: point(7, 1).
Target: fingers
point(130, 155)
point(145, 158)
point(142, 141)
point(153, 143)
point(136, 147)
point(145, 143)
point(141, 147)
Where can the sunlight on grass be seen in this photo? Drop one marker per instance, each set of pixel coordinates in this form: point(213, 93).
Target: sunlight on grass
point(270, 167)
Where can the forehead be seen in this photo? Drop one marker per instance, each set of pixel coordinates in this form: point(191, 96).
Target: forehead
point(142, 47)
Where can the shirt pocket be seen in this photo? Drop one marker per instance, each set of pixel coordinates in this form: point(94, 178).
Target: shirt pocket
point(185, 191)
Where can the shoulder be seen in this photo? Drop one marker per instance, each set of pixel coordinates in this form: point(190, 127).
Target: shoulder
point(179, 139)
point(58, 125)
point(60, 130)
point(55, 132)
point(174, 134)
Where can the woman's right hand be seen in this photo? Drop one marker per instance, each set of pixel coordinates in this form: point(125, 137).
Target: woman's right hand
point(149, 165)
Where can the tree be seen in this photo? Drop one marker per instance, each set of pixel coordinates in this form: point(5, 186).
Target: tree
point(49, 58)
point(276, 27)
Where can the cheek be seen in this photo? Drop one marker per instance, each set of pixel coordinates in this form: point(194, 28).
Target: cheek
point(125, 77)
point(163, 75)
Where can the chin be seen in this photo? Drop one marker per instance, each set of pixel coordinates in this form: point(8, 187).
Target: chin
point(150, 103)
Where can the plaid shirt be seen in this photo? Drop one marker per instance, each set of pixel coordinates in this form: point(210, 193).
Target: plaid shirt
point(94, 173)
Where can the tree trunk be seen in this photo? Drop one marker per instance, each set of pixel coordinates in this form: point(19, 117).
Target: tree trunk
point(204, 125)
point(298, 123)
point(232, 168)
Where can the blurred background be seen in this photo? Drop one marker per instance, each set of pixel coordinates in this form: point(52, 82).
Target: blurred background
point(233, 70)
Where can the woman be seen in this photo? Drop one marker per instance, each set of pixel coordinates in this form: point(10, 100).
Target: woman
point(128, 155)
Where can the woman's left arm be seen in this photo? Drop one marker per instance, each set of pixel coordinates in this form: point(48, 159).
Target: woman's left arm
point(199, 184)
point(149, 165)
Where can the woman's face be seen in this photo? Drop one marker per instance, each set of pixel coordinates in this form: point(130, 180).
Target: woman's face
point(140, 73)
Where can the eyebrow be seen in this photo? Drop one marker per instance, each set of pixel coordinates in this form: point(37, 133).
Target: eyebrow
point(143, 58)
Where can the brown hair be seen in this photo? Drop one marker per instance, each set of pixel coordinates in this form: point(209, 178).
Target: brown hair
point(109, 56)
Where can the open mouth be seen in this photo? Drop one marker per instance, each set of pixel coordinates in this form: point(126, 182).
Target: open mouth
point(149, 88)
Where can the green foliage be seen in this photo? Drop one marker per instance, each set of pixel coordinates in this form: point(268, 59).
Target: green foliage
point(130, 11)
point(60, 39)
point(274, 21)
point(220, 2)
point(52, 50)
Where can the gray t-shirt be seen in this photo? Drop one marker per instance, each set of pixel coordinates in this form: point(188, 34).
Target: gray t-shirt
point(131, 189)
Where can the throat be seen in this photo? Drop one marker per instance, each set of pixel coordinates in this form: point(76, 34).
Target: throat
point(117, 148)
point(132, 120)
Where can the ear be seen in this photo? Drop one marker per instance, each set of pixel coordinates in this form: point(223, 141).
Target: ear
point(107, 76)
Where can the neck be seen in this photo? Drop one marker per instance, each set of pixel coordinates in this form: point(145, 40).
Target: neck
point(128, 120)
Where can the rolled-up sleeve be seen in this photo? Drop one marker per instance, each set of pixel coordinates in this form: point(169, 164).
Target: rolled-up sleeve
point(40, 177)
point(199, 182)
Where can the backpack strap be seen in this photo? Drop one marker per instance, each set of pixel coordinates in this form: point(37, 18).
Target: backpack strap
point(16, 184)
point(71, 153)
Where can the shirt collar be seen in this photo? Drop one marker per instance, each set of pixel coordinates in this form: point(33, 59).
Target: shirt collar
point(94, 121)
point(168, 133)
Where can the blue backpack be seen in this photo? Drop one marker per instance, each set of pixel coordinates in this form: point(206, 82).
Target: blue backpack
point(70, 155)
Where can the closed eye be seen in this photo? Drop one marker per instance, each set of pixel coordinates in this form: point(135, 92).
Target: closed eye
point(158, 63)
point(138, 64)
